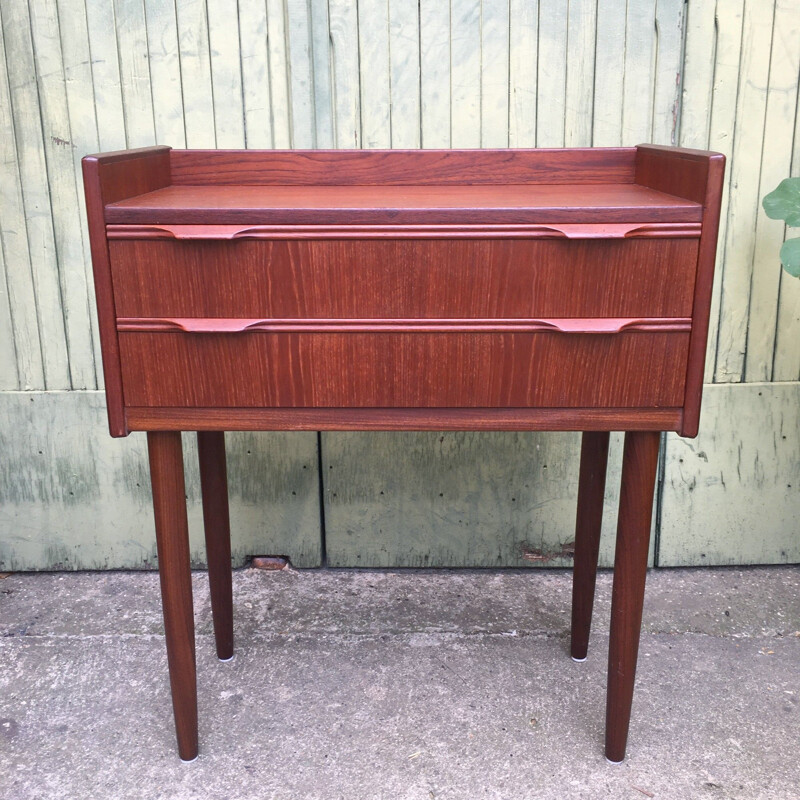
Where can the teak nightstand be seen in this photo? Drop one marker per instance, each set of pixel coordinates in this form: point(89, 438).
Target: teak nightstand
point(404, 290)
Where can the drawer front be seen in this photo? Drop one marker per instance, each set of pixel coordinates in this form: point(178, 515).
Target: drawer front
point(404, 278)
point(633, 369)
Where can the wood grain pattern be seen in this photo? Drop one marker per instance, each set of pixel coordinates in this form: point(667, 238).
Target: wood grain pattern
point(172, 537)
point(591, 492)
point(389, 204)
point(404, 370)
point(217, 527)
point(404, 278)
point(402, 167)
point(639, 462)
point(207, 233)
point(403, 419)
point(108, 177)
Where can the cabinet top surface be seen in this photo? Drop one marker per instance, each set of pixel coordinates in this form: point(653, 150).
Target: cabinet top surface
point(433, 204)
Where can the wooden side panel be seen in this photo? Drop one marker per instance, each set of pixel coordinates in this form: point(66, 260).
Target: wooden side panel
point(73, 498)
point(402, 167)
point(732, 495)
point(404, 278)
point(115, 176)
point(387, 370)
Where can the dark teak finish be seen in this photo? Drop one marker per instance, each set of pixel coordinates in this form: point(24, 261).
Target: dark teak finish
point(404, 290)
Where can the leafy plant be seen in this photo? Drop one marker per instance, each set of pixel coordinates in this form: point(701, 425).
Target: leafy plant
point(784, 203)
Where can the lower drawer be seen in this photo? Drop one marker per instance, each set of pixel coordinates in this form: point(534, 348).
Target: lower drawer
point(636, 369)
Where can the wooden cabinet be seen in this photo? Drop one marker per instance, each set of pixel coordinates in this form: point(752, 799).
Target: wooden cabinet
point(507, 289)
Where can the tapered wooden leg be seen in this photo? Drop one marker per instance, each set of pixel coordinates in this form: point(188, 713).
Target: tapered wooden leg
point(214, 483)
point(639, 463)
point(172, 536)
point(591, 489)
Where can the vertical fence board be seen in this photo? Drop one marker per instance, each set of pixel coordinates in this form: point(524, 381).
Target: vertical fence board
point(375, 74)
point(198, 92)
point(165, 72)
point(14, 242)
point(465, 72)
point(669, 53)
point(134, 68)
point(551, 82)
point(345, 73)
point(786, 357)
point(110, 114)
point(744, 202)
point(609, 69)
point(226, 74)
point(9, 378)
point(776, 164)
point(76, 57)
point(522, 72)
point(27, 119)
point(494, 73)
point(321, 77)
point(639, 73)
point(300, 66)
point(278, 47)
point(256, 89)
point(435, 108)
point(404, 61)
point(64, 199)
point(581, 24)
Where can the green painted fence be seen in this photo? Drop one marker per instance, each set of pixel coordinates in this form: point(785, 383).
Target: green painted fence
point(79, 76)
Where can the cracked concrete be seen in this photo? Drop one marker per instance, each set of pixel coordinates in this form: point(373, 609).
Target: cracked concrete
point(400, 684)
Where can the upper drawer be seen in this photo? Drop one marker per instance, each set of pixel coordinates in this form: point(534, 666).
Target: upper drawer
point(385, 278)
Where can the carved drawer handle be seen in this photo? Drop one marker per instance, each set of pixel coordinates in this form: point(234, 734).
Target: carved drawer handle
point(603, 325)
point(623, 230)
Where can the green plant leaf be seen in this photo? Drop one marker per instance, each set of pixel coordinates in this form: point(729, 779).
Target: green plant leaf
point(790, 256)
point(784, 202)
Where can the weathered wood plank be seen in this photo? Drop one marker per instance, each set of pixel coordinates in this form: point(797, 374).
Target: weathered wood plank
point(300, 73)
point(165, 72)
point(345, 73)
point(638, 83)
point(195, 63)
point(134, 68)
point(62, 187)
point(732, 496)
point(744, 202)
point(404, 67)
point(786, 356)
point(522, 72)
point(73, 498)
point(435, 107)
point(552, 78)
point(27, 119)
point(226, 73)
point(256, 89)
point(776, 163)
point(375, 76)
point(322, 79)
point(9, 378)
point(609, 74)
point(76, 56)
point(465, 72)
point(494, 73)
point(14, 242)
point(581, 26)
point(456, 499)
point(109, 110)
point(668, 68)
point(278, 49)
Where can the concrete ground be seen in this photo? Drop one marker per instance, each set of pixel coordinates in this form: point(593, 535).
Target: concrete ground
point(405, 684)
